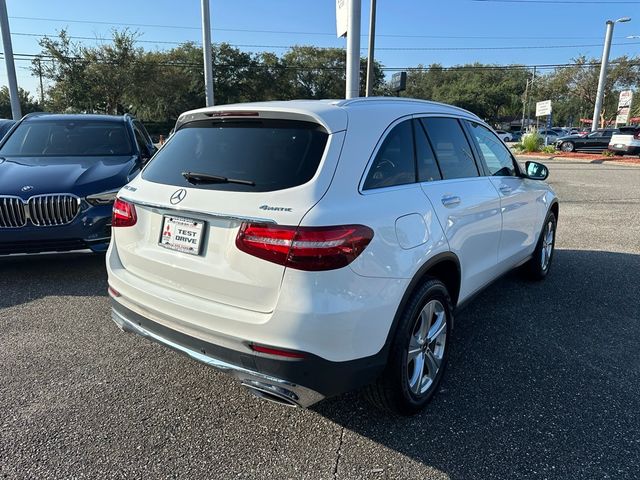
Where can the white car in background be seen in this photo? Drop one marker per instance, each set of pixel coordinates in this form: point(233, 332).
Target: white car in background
point(504, 136)
point(309, 248)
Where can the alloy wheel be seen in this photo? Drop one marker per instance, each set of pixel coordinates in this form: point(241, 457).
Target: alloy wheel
point(426, 347)
point(547, 245)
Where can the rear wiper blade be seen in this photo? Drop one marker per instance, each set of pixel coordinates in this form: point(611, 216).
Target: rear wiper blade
point(197, 178)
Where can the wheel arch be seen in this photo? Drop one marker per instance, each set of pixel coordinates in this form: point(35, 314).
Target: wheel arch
point(555, 208)
point(444, 267)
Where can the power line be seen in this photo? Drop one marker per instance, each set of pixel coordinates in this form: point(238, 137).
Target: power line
point(289, 32)
point(636, 63)
point(389, 49)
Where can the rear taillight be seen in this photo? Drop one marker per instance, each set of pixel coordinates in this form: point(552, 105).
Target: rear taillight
point(124, 214)
point(304, 248)
point(637, 135)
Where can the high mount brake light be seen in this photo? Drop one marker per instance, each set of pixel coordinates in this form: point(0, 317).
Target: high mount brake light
point(124, 214)
point(304, 248)
point(232, 113)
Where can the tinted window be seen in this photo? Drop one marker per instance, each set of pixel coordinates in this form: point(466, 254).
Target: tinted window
point(495, 155)
point(394, 163)
point(274, 154)
point(68, 138)
point(451, 147)
point(141, 141)
point(427, 167)
point(5, 126)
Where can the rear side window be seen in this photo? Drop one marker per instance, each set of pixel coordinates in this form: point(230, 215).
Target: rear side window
point(45, 138)
point(394, 163)
point(428, 170)
point(451, 147)
point(495, 155)
point(273, 154)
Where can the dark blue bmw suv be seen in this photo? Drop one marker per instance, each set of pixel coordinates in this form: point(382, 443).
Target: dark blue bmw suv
point(59, 175)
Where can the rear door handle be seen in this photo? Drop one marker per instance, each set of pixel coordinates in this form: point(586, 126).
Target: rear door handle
point(505, 189)
point(450, 200)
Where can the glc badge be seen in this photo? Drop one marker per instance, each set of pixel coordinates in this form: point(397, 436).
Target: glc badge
point(178, 196)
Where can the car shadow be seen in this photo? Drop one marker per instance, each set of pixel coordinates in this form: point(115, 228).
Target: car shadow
point(542, 381)
point(24, 278)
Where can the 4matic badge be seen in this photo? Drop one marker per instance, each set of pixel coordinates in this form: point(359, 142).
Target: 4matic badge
point(275, 209)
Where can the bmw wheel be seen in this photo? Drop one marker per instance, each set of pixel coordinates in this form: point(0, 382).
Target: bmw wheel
point(567, 147)
point(418, 354)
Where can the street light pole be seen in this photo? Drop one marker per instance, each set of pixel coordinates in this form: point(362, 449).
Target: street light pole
point(206, 51)
point(603, 71)
point(372, 42)
point(353, 49)
point(16, 113)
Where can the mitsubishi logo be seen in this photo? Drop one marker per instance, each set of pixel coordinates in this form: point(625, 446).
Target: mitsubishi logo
point(178, 196)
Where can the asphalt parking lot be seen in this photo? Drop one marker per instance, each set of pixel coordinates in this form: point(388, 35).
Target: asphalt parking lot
point(543, 380)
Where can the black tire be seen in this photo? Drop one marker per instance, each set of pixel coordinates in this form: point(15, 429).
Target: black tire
point(619, 154)
point(567, 147)
point(535, 268)
point(392, 390)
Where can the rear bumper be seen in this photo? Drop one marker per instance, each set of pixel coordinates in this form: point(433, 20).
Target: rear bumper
point(295, 382)
point(628, 149)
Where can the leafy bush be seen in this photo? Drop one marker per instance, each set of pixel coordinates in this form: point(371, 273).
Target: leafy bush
point(608, 153)
point(531, 142)
point(549, 149)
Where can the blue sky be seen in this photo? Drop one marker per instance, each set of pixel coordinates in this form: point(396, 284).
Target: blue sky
point(481, 30)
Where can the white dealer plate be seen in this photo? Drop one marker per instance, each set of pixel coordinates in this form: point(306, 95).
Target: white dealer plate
point(182, 234)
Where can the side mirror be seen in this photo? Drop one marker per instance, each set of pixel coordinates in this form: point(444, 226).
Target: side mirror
point(536, 171)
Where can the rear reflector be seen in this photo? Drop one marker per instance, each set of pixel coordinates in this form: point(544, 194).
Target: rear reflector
point(124, 214)
point(113, 292)
point(304, 248)
point(276, 351)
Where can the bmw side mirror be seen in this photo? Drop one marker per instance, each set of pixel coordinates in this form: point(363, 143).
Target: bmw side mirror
point(536, 171)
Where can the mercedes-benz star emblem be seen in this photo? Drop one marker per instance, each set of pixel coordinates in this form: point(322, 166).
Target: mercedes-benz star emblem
point(178, 196)
point(27, 188)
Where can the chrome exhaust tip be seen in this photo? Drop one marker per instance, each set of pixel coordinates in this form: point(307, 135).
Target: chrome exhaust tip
point(272, 393)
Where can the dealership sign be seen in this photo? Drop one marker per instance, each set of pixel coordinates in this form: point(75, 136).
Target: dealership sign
point(543, 108)
point(624, 106)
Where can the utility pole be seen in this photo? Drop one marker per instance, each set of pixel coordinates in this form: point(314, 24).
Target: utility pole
point(353, 49)
point(41, 85)
point(603, 71)
point(533, 79)
point(8, 59)
point(206, 50)
point(372, 42)
point(525, 101)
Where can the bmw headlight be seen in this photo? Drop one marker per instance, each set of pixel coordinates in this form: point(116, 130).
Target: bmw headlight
point(102, 198)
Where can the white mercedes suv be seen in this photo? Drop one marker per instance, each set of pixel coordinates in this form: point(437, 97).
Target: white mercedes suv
point(309, 248)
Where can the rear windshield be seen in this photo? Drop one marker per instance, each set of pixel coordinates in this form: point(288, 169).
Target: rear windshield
point(273, 154)
point(629, 130)
point(50, 138)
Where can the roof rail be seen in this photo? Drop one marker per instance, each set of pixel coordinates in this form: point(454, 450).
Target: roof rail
point(401, 99)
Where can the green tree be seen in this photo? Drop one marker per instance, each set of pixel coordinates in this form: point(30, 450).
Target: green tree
point(320, 73)
point(491, 93)
point(27, 103)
